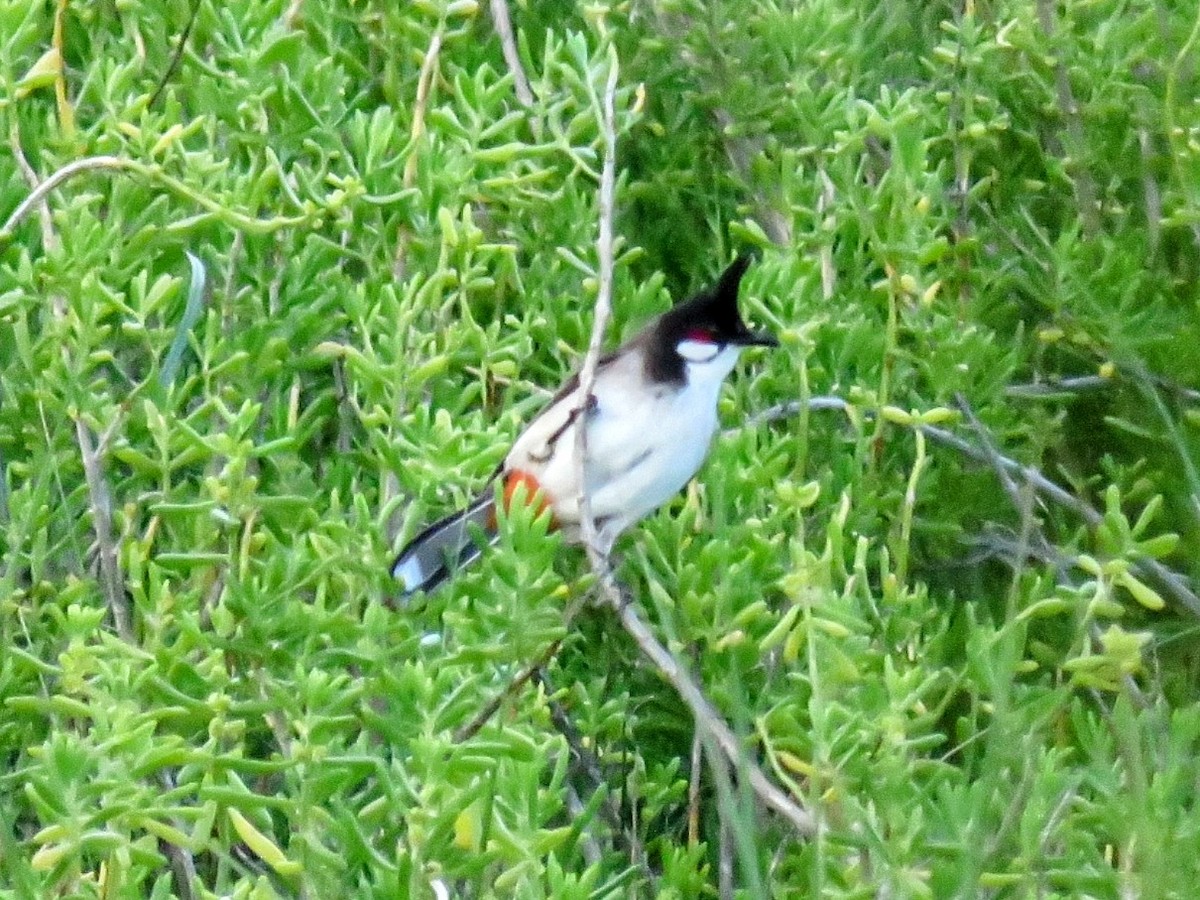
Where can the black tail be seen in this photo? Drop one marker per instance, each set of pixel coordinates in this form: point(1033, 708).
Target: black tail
point(444, 547)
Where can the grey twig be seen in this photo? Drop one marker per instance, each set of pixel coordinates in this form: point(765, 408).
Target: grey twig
point(1068, 107)
point(508, 47)
point(472, 728)
point(1061, 387)
point(1021, 498)
point(182, 862)
point(1058, 387)
point(787, 410)
point(177, 56)
point(603, 312)
point(741, 153)
point(183, 865)
point(1151, 195)
point(45, 187)
point(989, 447)
point(111, 581)
point(708, 720)
point(824, 204)
point(1175, 584)
point(725, 857)
point(586, 762)
point(31, 178)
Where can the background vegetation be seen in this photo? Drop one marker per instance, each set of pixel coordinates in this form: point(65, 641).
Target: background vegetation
point(327, 266)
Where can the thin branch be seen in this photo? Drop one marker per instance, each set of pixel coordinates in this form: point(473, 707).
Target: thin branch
point(111, 580)
point(49, 239)
point(1058, 387)
point(588, 845)
point(989, 447)
point(424, 86)
point(824, 204)
point(1146, 382)
point(1063, 387)
point(725, 856)
point(960, 194)
point(1175, 584)
point(183, 864)
point(741, 153)
point(472, 728)
point(707, 718)
point(693, 816)
point(181, 860)
point(1151, 195)
point(508, 46)
point(420, 104)
point(587, 763)
point(603, 312)
point(1085, 188)
point(69, 170)
point(789, 409)
point(177, 56)
point(231, 217)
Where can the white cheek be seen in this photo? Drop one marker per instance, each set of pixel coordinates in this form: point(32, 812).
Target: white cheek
point(698, 351)
point(712, 369)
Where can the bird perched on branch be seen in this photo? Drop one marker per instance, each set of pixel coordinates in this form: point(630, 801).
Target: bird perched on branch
point(650, 421)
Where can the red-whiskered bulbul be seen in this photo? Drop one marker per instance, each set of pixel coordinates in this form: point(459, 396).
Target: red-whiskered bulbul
point(649, 425)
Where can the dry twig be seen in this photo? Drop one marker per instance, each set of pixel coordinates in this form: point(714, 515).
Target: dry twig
point(472, 728)
point(1172, 582)
point(741, 153)
point(508, 46)
point(1068, 107)
point(586, 762)
point(41, 189)
point(601, 314)
point(112, 582)
point(708, 720)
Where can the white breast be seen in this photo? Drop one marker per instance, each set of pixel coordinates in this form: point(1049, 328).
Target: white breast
point(645, 440)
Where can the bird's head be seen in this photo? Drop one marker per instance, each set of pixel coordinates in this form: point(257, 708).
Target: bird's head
point(707, 329)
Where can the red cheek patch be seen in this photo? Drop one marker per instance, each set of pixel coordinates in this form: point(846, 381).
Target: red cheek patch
point(700, 335)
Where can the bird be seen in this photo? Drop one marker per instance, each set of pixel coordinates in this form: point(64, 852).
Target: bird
point(650, 422)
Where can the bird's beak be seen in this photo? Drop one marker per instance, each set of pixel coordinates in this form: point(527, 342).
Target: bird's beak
point(758, 339)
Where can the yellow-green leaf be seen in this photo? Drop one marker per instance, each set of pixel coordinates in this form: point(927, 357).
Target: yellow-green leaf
point(261, 845)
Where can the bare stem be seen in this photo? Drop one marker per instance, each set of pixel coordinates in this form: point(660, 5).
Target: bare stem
point(508, 46)
point(111, 581)
point(708, 720)
point(1068, 107)
point(603, 312)
point(1174, 583)
point(69, 170)
point(473, 727)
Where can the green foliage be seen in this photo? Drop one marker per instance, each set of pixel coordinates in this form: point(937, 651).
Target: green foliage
point(316, 282)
